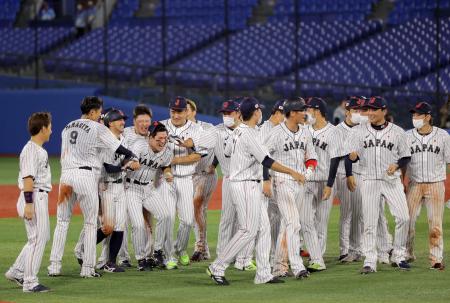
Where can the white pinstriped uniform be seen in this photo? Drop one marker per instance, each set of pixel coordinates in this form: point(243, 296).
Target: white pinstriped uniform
point(376, 151)
point(247, 152)
point(427, 173)
point(179, 195)
point(33, 162)
point(292, 150)
point(204, 185)
point(82, 140)
point(314, 212)
point(145, 195)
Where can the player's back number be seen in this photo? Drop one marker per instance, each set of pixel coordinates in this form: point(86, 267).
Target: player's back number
point(73, 137)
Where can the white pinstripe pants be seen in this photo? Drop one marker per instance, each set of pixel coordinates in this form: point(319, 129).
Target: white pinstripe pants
point(372, 191)
point(254, 223)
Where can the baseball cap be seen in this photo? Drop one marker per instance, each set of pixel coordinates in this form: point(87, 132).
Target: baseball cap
point(278, 105)
point(355, 102)
point(293, 105)
point(179, 103)
point(113, 115)
point(376, 102)
point(249, 104)
point(317, 103)
point(229, 106)
point(422, 108)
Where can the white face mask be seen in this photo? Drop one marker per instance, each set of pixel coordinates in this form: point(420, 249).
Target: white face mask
point(228, 121)
point(417, 123)
point(363, 119)
point(310, 119)
point(355, 118)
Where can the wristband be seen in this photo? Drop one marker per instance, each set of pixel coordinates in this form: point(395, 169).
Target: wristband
point(28, 196)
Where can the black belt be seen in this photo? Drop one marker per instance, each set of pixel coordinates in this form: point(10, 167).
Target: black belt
point(43, 191)
point(257, 181)
point(137, 182)
point(118, 181)
point(85, 167)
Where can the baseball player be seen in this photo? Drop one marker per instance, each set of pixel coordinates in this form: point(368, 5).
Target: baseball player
point(430, 154)
point(228, 217)
point(247, 153)
point(314, 212)
point(82, 139)
point(32, 205)
point(205, 181)
point(292, 146)
point(381, 148)
point(179, 195)
point(140, 192)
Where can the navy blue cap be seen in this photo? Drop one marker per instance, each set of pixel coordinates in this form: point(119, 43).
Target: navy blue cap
point(113, 115)
point(278, 106)
point(297, 104)
point(179, 103)
point(376, 102)
point(229, 106)
point(317, 103)
point(355, 102)
point(422, 108)
point(249, 104)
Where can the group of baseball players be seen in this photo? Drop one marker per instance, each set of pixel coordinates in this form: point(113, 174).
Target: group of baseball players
point(279, 181)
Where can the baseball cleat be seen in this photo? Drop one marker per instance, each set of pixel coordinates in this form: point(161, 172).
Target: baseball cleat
point(172, 264)
point(304, 253)
point(184, 259)
point(403, 265)
point(125, 263)
point(38, 288)
point(143, 265)
point(303, 274)
point(112, 267)
point(197, 256)
point(160, 259)
point(286, 274)
point(275, 280)
point(314, 267)
point(220, 280)
point(367, 270)
point(351, 258)
point(10, 277)
point(53, 274)
point(342, 257)
point(92, 275)
point(80, 261)
point(151, 262)
point(438, 266)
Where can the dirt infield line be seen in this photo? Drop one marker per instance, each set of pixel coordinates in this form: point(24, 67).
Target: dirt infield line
point(9, 194)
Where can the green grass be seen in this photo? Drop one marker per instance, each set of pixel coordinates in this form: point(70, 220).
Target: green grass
point(340, 283)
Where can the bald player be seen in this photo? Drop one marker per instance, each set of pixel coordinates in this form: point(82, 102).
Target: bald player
point(292, 146)
point(382, 149)
point(205, 181)
point(179, 196)
point(82, 139)
point(32, 205)
point(247, 153)
point(430, 155)
point(314, 212)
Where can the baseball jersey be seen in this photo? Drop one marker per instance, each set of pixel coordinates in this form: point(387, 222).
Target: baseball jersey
point(223, 138)
point(81, 141)
point(189, 130)
point(342, 132)
point(247, 153)
point(429, 155)
point(131, 136)
point(265, 129)
point(290, 149)
point(323, 141)
point(377, 149)
point(34, 162)
point(112, 158)
point(150, 161)
point(207, 160)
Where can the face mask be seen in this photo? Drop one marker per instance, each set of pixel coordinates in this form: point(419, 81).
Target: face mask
point(310, 119)
point(355, 118)
point(417, 123)
point(363, 119)
point(228, 121)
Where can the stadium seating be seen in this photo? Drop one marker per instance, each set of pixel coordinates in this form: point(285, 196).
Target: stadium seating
point(405, 10)
point(125, 9)
point(9, 9)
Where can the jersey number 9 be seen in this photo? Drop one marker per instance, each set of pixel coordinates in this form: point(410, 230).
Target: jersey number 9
point(73, 137)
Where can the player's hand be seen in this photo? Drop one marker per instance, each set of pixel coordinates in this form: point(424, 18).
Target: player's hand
point(133, 165)
point(169, 177)
point(267, 188)
point(188, 143)
point(351, 183)
point(353, 156)
point(29, 211)
point(298, 177)
point(174, 161)
point(326, 193)
point(391, 169)
point(211, 170)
